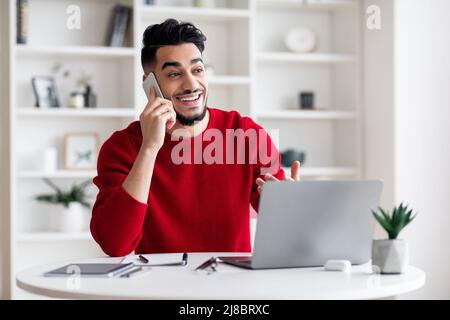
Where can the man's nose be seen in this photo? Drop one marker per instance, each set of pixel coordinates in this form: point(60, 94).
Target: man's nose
point(190, 84)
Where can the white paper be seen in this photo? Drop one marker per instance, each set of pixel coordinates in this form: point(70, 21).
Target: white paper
point(160, 258)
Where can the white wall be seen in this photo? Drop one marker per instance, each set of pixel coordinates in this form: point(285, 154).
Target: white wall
point(422, 134)
point(379, 101)
point(4, 155)
point(407, 126)
point(2, 147)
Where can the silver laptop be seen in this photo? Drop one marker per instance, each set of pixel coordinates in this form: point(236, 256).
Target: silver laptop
point(306, 223)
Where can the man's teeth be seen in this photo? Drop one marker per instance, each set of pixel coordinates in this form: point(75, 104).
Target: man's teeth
point(189, 99)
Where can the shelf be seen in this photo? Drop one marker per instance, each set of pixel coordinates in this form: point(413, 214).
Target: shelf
point(228, 80)
point(60, 174)
point(187, 13)
point(326, 5)
point(88, 51)
point(304, 57)
point(68, 112)
point(307, 115)
point(324, 171)
point(53, 236)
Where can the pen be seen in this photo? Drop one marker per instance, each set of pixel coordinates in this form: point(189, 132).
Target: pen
point(207, 263)
point(143, 259)
point(182, 263)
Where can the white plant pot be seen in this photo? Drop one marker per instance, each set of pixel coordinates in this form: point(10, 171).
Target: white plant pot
point(390, 256)
point(69, 219)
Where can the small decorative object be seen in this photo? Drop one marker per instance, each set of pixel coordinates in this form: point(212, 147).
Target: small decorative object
point(90, 98)
point(49, 159)
point(307, 100)
point(71, 216)
point(149, 2)
point(290, 156)
point(204, 3)
point(80, 150)
point(391, 256)
point(301, 40)
point(45, 91)
point(77, 100)
point(22, 21)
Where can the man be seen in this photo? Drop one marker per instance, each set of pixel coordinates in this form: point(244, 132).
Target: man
point(155, 196)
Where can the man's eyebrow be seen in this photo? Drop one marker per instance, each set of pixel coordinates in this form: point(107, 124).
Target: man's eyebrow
point(177, 64)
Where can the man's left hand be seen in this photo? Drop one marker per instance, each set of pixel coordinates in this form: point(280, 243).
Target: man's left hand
point(295, 176)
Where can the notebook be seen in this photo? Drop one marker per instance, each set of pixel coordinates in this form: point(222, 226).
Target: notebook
point(107, 270)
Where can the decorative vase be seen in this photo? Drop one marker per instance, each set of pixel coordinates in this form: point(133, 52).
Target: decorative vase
point(390, 256)
point(204, 3)
point(301, 40)
point(290, 155)
point(69, 219)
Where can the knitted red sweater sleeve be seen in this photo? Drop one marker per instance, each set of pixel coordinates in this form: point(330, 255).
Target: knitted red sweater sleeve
point(117, 217)
point(273, 166)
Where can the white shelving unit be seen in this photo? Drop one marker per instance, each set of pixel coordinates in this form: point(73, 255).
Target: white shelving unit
point(330, 135)
point(73, 51)
point(60, 112)
point(285, 57)
point(306, 115)
point(253, 73)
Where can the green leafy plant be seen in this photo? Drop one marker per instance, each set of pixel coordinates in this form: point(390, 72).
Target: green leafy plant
point(76, 194)
point(394, 223)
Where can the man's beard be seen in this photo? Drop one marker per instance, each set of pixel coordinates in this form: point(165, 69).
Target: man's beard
point(190, 121)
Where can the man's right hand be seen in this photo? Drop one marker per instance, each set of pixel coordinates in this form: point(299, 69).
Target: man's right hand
point(158, 115)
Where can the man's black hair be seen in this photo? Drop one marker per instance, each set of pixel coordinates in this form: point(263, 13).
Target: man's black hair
point(170, 32)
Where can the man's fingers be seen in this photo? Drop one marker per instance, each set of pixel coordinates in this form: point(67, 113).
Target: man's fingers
point(169, 118)
point(158, 102)
point(295, 170)
point(162, 108)
point(152, 92)
point(260, 182)
point(270, 177)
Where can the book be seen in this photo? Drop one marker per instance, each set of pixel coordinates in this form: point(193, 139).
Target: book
point(22, 21)
point(118, 26)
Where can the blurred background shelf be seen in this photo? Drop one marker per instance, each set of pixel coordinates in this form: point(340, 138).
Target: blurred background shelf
point(192, 13)
point(307, 115)
point(306, 5)
point(74, 51)
point(67, 112)
point(304, 58)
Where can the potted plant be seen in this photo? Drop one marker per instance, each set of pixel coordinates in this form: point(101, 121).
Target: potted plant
point(70, 216)
point(391, 255)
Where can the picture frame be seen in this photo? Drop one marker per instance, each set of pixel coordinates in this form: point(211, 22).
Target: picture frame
point(81, 150)
point(44, 88)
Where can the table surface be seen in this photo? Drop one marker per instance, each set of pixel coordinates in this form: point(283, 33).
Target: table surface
point(228, 282)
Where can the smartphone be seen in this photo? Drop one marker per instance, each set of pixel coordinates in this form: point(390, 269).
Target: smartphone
point(151, 81)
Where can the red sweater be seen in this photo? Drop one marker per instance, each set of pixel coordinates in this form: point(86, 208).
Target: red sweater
point(191, 207)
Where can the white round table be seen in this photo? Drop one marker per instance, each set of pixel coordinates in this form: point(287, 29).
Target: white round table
point(228, 282)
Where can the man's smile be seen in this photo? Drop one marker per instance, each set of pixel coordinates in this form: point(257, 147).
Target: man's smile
point(189, 100)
